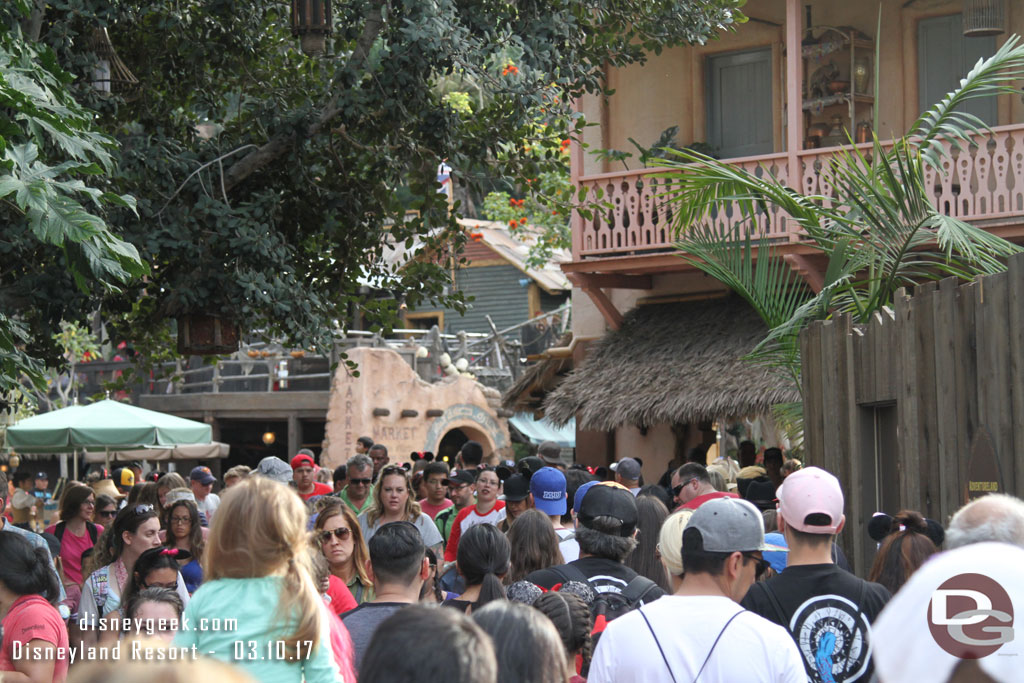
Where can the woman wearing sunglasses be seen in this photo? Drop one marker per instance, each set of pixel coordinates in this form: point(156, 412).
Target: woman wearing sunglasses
point(106, 510)
point(393, 502)
point(135, 530)
point(340, 539)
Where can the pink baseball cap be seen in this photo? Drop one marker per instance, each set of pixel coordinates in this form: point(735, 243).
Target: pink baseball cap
point(811, 491)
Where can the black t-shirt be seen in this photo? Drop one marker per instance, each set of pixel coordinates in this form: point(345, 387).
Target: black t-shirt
point(605, 576)
point(828, 611)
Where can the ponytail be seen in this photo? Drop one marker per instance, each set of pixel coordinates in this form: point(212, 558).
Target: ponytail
point(26, 570)
point(483, 558)
point(301, 598)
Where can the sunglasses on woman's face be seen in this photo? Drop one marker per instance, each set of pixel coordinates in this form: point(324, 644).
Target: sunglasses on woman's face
point(341, 533)
point(106, 513)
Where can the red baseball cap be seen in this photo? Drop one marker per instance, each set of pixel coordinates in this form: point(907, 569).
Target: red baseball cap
point(303, 460)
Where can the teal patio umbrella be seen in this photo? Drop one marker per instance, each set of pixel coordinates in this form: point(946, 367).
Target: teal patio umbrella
point(105, 425)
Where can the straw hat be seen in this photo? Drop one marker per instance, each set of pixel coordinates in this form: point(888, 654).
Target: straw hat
point(105, 487)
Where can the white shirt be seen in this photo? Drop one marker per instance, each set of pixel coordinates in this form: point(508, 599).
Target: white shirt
point(751, 648)
point(208, 506)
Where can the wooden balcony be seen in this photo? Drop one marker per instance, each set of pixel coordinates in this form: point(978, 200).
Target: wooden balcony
point(983, 185)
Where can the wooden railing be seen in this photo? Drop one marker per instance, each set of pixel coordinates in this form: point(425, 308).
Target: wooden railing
point(981, 182)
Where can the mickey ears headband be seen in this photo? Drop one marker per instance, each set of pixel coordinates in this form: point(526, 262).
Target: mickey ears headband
point(880, 526)
point(426, 456)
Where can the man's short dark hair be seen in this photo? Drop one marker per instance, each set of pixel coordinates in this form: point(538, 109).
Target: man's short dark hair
point(601, 539)
point(378, 447)
point(435, 468)
point(698, 454)
point(341, 473)
point(420, 643)
point(21, 476)
point(696, 560)
point(396, 553)
point(806, 538)
point(472, 454)
point(365, 441)
point(696, 471)
point(773, 453)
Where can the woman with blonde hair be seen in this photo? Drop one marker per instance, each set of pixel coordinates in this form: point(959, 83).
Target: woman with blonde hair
point(670, 546)
point(167, 482)
point(340, 539)
point(257, 573)
point(394, 501)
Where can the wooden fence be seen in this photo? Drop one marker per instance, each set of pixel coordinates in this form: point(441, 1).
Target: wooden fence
point(923, 407)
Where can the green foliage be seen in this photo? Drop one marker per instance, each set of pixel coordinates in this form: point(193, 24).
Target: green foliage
point(54, 209)
point(879, 231)
point(280, 215)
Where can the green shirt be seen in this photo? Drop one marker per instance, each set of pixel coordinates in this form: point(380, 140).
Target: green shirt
point(249, 642)
point(367, 504)
point(445, 519)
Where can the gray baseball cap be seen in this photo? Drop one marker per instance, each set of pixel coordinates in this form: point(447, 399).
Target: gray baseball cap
point(275, 468)
point(628, 469)
point(728, 525)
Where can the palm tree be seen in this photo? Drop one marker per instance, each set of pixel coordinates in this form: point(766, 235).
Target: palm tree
point(878, 230)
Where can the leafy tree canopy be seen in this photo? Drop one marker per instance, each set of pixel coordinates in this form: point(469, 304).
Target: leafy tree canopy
point(266, 180)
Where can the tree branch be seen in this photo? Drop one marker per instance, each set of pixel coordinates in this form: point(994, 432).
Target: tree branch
point(279, 145)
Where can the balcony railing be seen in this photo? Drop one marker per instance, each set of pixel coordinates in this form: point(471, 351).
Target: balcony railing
point(982, 182)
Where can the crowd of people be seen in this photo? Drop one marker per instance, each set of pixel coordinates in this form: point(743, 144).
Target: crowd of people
point(515, 572)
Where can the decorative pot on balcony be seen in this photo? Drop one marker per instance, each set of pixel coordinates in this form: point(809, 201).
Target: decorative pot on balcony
point(200, 334)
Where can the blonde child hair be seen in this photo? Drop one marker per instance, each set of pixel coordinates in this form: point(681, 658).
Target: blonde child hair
point(260, 530)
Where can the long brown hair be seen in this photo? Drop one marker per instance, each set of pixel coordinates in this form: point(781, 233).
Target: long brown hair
point(534, 545)
point(71, 502)
point(412, 508)
point(360, 553)
point(195, 534)
point(260, 530)
point(902, 552)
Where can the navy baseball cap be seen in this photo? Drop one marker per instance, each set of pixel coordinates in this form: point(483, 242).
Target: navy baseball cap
point(548, 488)
point(577, 500)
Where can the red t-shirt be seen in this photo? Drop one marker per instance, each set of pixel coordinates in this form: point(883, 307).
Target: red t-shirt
point(468, 518)
point(432, 510)
point(340, 595)
point(71, 549)
point(318, 490)
point(33, 618)
point(700, 500)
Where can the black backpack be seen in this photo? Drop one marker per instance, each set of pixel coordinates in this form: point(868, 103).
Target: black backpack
point(93, 533)
point(609, 606)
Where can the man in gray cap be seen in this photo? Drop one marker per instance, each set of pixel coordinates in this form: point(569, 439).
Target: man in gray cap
point(718, 640)
point(551, 453)
point(627, 473)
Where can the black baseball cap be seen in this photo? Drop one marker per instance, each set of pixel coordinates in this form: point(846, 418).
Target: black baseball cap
point(517, 488)
point(529, 465)
point(459, 477)
point(608, 499)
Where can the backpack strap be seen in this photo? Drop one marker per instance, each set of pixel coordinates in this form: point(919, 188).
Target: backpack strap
point(714, 644)
point(658, 643)
point(93, 533)
point(59, 532)
point(570, 572)
point(636, 589)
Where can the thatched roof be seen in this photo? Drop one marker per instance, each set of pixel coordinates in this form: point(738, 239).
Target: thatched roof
point(672, 363)
point(539, 379)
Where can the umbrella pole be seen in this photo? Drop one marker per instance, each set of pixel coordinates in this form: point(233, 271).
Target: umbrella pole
point(106, 456)
point(76, 464)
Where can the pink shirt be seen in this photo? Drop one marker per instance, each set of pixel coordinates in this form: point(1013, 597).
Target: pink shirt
point(432, 510)
point(33, 618)
point(340, 595)
point(342, 649)
point(71, 549)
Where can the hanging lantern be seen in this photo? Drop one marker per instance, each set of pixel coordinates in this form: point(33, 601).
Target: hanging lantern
point(311, 22)
point(110, 75)
point(984, 17)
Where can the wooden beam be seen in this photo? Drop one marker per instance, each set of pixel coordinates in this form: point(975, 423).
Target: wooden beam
point(802, 266)
point(611, 280)
point(794, 88)
point(605, 305)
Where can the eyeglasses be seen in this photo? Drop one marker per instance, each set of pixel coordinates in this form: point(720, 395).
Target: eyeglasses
point(180, 520)
point(762, 564)
point(89, 503)
point(341, 533)
point(360, 482)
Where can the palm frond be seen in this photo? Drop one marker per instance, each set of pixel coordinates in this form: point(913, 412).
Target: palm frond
point(992, 76)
